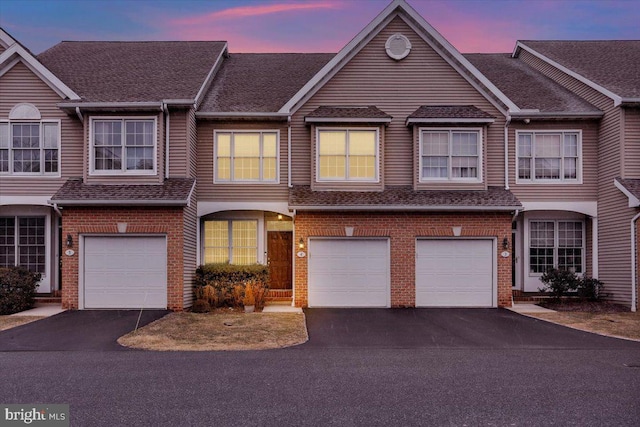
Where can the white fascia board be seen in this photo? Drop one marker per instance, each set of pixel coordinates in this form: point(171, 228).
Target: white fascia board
point(6, 39)
point(632, 101)
point(240, 115)
point(212, 72)
point(349, 50)
point(179, 102)
point(521, 46)
point(417, 121)
point(118, 202)
point(589, 208)
point(25, 200)
point(111, 105)
point(206, 208)
point(429, 208)
point(39, 69)
point(558, 114)
point(634, 202)
point(345, 120)
point(370, 31)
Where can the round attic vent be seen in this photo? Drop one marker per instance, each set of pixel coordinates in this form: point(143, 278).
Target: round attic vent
point(398, 46)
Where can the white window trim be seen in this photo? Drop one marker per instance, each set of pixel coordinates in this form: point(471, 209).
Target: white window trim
point(232, 180)
point(450, 178)
point(123, 170)
point(17, 213)
point(555, 243)
point(42, 173)
point(376, 179)
point(562, 180)
point(239, 216)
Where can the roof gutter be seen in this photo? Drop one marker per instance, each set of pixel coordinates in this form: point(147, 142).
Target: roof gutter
point(519, 115)
point(119, 202)
point(443, 208)
point(241, 115)
point(385, 120)
point(112, 105)
point(632, 102)
point(416, 120)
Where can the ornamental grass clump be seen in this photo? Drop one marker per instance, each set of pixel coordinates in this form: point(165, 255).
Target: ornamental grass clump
point(225, 285)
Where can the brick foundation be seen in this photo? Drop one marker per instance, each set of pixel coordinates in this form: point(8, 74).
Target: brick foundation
point(103, 221)
point(402, 229)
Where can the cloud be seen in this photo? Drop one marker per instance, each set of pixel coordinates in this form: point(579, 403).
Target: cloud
point(251, 11)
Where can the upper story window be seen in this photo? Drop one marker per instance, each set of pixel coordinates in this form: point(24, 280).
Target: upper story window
point(347, 154)
point(450, 155)
point(123, 146)
point(29, 145)
point(549, 156)
point(246, 156)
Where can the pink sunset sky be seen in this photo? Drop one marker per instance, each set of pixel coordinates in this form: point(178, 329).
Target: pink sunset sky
point(313, 25)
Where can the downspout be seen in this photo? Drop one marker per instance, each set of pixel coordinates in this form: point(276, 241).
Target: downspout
point(167, 122)
point(79, 114)
point(56, 208)
point(289, 151)
point(506, 154)
point(634, 260)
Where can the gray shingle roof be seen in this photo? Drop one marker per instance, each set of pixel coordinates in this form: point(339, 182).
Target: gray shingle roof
point(632, 186)
point(450, 112)
point(261, 82)
point(613, 64)
point(527, 87)
point(403, 198)
point(132, 71)
point(174, 192)
point(335, 112)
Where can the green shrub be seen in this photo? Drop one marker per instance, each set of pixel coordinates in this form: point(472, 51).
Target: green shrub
point(17, 289)
point(591, 289)
point(222, 285)
point(559, 282)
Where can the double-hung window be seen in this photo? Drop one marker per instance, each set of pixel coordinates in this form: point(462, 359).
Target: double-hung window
point(549, 156)
point(30, 148)
point(347, 154)
point(556, 244)
point(232, 241)
point(450, 154)
point(246, 156)
point(23, 243)
point(123, 146)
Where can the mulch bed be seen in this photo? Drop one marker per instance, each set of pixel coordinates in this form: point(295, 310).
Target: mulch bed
point(585, 306)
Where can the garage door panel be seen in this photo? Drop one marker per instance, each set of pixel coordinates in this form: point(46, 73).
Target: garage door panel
point(348, 273)
point(125, 272)
point(455, 273)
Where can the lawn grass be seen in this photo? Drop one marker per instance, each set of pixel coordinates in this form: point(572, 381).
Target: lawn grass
point(8, 322)
point(621, 325)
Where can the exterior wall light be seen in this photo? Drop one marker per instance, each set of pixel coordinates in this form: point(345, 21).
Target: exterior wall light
point(69, 241)
point(505, 243)
point(301, 244)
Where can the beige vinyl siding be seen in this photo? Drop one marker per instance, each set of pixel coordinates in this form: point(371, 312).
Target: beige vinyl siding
point(631, 158)
point(19, 85)
point(156, 178)
point(178, 152)
point(614, 214)
point(190, 245)
point(2, 49)
point(192, 126)
point(587, 191)
point(208, 191)
point(398, 88)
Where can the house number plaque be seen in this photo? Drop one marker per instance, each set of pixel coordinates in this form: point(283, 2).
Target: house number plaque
point(505, 254)
point(69, 252)
point(301, 254)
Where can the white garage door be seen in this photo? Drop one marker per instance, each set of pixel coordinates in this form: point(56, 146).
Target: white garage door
point(125, 272)
point(455, 273)
point(349, 273)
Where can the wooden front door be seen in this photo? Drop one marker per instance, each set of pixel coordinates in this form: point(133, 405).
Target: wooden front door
point(279, 250)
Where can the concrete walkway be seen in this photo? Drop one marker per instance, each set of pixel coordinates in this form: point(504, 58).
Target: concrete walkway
point(529, 308)
point(43, 309)
point(281, 308)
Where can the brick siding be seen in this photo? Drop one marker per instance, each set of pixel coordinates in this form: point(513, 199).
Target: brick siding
point(403, 229)
point(103, 221)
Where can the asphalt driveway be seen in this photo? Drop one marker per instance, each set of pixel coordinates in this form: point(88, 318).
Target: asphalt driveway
point(428, 328)
point(79, 330)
